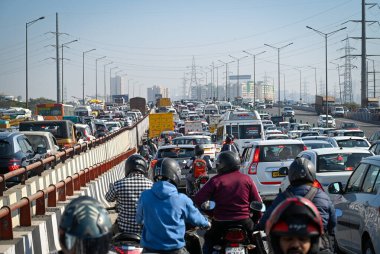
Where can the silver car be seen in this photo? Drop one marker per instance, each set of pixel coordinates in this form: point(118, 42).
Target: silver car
point(357, 209)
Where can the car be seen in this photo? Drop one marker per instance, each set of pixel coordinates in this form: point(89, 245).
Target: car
point(331, 140)
point(350, 133)
point(270, 131)
point(309, 134)
point(276, 136)
point(168, 134)
point(288, 112)
point(301, 127)
point(264, 116)
point(374, 137)
point(265, 122)
point(42, 139)
point(332, 164)
point(348, 126)
point(15, 152)
point(84, 132)
point(180, 153)
point(375, 147)
point(349, 141)
point(113, 126)
point(338, 112)
point(205, 141)
point(261, 161)
point(315, 144)
point(357, 208)
point(322, 121)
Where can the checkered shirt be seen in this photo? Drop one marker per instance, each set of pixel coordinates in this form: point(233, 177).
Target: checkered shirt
point(126, 192)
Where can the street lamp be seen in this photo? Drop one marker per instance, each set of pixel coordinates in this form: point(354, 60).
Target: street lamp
point(62, 46)
point(226, 74)
point(217, 81)
point(340, 88)
point(83, 72)
point(238, 83)
point(326, 35)
point(278, 70)
point(27, 24)
point(111, 80)
point(300, 84)
point(96, 75)
point(254, 74)
point(105, 87)
point(315, 78)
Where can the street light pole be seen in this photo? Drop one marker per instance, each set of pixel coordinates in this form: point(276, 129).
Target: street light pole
point(96, 75)
point(62, 46)
point(315, 78)
point(83, 72)
point(278, 72)
point(326, 35)
point(27, 24)
point(300, 84)
point(340, 88)
point(254, 74)
point(105, 87)
point(226, 75)
point(238, 83)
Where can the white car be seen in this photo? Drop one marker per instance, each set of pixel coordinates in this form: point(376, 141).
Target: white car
point(113, 126)
point(332, 164)
point(288, 112)
point(205, 141)
point(330, 121)
point(338, 111)
point(357, 142)
point(261, 161)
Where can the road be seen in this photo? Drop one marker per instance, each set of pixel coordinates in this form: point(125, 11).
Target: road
point(312, 118)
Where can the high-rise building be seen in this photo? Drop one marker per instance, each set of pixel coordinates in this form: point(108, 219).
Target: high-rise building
point(116, 86)
point(155, 90)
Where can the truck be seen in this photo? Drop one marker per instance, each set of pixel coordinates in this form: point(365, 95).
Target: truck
point(159, 122)
point(373, 103)
point(193, 126)
point(321, 103)
point(138, 103)
point(163, 102)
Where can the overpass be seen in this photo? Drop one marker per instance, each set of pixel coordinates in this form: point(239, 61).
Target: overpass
point(30, 212)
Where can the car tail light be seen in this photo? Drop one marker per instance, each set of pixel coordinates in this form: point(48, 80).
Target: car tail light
point(153, 163)
point(13, 164)
point(349, 168)
point(304, 148)
point(252, 170)
point(235, 236)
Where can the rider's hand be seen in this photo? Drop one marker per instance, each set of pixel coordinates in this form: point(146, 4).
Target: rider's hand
point(207, 227)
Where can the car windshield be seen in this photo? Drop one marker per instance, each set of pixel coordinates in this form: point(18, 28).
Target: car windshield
point(192, 141)
point(318, 145)
point(244, 131)
point(170, 135)
point(36, 141)
point(272, 153)
point(350, 125)
point(339, 161)
point(5, 148)
point(176, 152)
point(352, 143)
point(328, 118)
point(354, 134)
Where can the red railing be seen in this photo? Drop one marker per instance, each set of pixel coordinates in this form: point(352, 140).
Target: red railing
point(52, 194)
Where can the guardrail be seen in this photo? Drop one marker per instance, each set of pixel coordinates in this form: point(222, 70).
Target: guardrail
point(52, 194)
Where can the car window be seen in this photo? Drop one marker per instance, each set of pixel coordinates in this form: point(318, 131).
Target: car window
point(272, 153)
point(37, 141)
point(176, 152)
point(339, 161)
point(370, 179)
point(352, 143)
point(306, 156)
point(5, 147)
point(356, 178)
point(22, 144)
point(246, 154)
point(318, 145)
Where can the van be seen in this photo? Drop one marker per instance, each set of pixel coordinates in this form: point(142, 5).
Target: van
point(63, 130)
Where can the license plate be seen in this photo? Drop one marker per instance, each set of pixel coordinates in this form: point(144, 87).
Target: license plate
point(276, 174)
point(235, 250)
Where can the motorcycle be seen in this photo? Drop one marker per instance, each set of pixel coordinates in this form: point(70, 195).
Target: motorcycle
point(199, 183)
point(235, 239)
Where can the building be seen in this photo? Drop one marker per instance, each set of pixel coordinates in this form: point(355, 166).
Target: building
point(154, 91)
point(247, 90)
point(117, 87)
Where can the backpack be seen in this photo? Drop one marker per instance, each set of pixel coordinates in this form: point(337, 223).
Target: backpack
point(309, 195)
point(199, 167)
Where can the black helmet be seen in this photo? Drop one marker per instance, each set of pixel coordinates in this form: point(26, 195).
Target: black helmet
point(229, 138)
point(136, 163)
point(199, 151)
point(167, 169)
point(85, 227)
point(295, 217)
point(301, 171)
point(227, 161)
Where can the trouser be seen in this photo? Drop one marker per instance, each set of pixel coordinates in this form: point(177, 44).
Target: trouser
point(190, 179)
point(179, 251)
point(213, 236)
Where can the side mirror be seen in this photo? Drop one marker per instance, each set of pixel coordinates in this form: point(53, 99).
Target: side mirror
point(257, 206)
point(41, 150)
point(208, 205)
point(335, 188)
point(283, 171)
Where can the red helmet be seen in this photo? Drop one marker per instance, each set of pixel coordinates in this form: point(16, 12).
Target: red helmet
point(296, 216)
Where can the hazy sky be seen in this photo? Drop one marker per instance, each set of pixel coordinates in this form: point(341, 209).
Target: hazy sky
point(154, 41)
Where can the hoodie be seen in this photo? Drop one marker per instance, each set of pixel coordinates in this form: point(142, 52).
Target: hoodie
point(163, 212)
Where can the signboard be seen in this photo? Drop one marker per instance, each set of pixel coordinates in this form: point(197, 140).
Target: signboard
point(159, 122)
point(241, 77)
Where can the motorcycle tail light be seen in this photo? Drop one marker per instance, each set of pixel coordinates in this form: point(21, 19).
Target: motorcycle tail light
point(236, 235)
point(153, 163)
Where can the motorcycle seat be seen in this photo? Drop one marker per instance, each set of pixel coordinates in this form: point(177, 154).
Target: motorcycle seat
point(124, 236)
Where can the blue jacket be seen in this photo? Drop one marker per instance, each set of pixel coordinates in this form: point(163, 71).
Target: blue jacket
point(321, 200)
point(163, 212)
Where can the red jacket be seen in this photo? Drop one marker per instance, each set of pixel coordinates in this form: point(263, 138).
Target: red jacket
point(232, 193)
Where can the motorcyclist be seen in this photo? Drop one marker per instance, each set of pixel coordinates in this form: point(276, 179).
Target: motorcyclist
point(229, 144)
point(145, 150)
point(85, 227)
point(302, 178)
point(163, 211)
point(127, 191)
point(232, 193)
point(295, 226)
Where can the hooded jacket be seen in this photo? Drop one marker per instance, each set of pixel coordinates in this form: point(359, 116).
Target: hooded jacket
point(163, 212)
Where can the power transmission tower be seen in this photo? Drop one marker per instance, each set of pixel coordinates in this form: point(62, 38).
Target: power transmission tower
point(373, 72)
point(348, 66)
point(184, 92)
point(194, 85)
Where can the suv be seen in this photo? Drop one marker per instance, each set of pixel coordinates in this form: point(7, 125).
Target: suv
point(330, 121)
point(261, 160)
point(288, 112)
point(338, 111)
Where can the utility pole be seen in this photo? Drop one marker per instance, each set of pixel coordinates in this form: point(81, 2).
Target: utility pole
point(238, 78)
point(315, 79)
point(284, 89)
point(300, 71)
point(217, 81)
point(63, 46)
point(85, 52)
point(374, 72)
point(226, 63)
point(339, 84)
point(57, 57)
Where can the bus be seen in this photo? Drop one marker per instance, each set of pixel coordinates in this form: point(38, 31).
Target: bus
point(51, 111)
point(244, 126)
point(83, 111)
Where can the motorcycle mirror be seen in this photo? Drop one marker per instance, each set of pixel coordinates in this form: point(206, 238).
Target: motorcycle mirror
point(257, 206)
point(208, 205)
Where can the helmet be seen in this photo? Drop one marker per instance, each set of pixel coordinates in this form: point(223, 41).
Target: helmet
point(85, 227)
point(227, 161)
point(296, 216)
point(136, 163)
point(229, 138)
point(199, 151)
point(301, 171)
point(167, 169)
